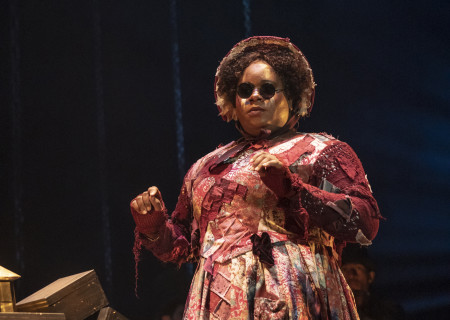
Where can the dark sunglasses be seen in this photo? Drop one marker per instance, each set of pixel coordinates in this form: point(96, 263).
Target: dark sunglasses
point(267, 90)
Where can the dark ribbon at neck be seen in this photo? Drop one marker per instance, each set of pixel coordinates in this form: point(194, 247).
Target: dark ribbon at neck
point(266, 134)
point(262, 247)
point(261, 141)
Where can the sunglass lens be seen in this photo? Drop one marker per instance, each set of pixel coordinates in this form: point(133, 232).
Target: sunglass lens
point(267, 90)
point(245, 90)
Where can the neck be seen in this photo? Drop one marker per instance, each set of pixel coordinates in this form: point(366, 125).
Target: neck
point(268, 133)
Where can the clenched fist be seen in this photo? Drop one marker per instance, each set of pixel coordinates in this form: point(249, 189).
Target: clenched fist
point(147, 201)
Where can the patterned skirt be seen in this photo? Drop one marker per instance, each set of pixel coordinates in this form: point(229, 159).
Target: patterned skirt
point(305, 282)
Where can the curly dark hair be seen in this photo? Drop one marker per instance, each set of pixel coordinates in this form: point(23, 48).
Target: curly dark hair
point(292, 68)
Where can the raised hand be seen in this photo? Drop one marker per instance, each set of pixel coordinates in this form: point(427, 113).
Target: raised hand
point(263, 160)
point(147, 201)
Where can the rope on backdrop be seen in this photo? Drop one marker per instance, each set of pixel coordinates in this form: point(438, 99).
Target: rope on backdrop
point(177, 88)
point(177, 96)
point(16, 108)
point(247, 20)
point(101, 146)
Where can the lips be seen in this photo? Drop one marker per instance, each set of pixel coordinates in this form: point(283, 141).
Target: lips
point(256, 110)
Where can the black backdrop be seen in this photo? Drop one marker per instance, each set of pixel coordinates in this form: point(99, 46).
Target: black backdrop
point(101, 99)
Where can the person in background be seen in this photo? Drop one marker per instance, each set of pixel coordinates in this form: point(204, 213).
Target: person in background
point(172, 311)
point(359, 271)
point(264, 216)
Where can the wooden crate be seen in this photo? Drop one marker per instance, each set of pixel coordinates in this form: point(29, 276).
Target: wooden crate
point(31, 316)
point(77, 296)
point(109, 313)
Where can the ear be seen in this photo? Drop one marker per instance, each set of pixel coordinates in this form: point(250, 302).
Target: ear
point(371, 276)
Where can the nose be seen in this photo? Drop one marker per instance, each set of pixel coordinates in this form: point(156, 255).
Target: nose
point(255, 96)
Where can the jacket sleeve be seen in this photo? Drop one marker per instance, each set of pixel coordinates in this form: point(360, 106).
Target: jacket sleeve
point(167, 238)
point(337, 197)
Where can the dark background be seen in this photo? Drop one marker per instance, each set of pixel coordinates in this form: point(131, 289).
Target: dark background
point(89, 98)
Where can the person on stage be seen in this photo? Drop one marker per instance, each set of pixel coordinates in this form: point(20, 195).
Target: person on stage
point(359, 271)
point(265, 216)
